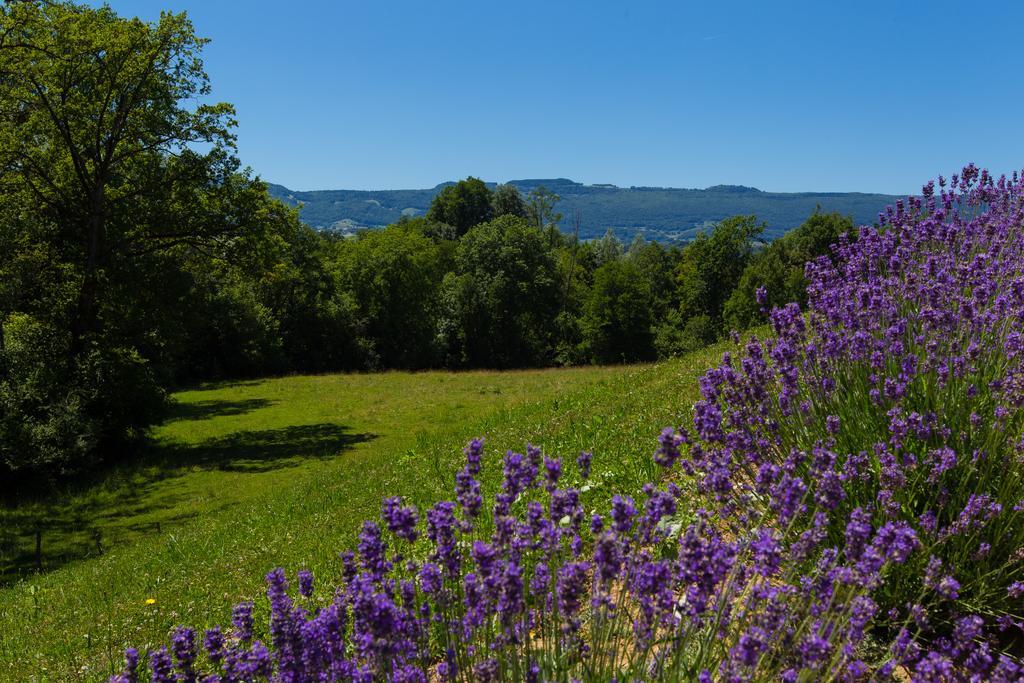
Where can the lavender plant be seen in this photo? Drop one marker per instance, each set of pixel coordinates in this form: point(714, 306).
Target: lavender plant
point(551, 593)
point(858, 509)
point(895, 399)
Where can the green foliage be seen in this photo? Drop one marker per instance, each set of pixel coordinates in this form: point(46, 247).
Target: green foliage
point(439, 232)
point(502, 298)
point(656, 265)
point(96, 165)
point(462, 205)
point(779, 268)
point(711, 267)
point(540, 209)
point(676, 336)
point(55, 409)
point(607, 249)
point(393, 278)
point(508, 201)
point(618, 315)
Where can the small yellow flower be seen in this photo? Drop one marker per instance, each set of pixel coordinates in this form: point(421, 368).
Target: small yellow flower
point(150, 601)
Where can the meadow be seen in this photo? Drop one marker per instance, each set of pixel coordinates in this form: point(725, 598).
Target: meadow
point(842, 501)
point(248, 476)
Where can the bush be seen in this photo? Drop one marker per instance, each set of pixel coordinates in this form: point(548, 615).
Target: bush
point(895, 400)
point(59, 417)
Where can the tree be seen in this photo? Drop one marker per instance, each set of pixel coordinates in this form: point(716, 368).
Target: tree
point(780, 269)
point(508, 201)
point(393, 276)
point(709, 269)
point(502, 298)
point(617, 315)
point(540, 205)
point(96, 120)
point(462, 205)
point(607, 249)
point(99, 162)
point(657, 265)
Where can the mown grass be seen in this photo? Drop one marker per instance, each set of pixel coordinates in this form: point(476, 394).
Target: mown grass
point(249, 476)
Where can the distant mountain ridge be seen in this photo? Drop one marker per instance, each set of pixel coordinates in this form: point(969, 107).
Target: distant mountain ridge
point(659, 213)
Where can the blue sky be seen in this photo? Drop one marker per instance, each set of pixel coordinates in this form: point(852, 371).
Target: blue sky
point(787, 96)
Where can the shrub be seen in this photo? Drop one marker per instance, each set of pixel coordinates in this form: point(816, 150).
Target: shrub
point(896, 399)
point(539, 590)
point(58, 416)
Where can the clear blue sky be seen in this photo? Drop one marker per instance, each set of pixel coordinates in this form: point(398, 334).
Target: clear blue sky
point(785, 96)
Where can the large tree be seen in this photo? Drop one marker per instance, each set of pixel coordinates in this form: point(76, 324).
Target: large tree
point(502, 298)
point(108, 167)
point(711, 266)
point(98, 130)
point(462, 205)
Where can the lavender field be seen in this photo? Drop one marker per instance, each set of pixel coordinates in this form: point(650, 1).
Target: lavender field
point(844, 502)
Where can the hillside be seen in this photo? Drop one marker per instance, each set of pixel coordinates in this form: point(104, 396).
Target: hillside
point(247, 476)
point(659, 213)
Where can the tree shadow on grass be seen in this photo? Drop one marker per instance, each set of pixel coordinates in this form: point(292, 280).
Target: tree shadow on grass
point(206, 410)
point(257, 451)
point(149, 495)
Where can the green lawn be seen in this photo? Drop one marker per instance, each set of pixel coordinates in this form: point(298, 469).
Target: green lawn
point(248, 476)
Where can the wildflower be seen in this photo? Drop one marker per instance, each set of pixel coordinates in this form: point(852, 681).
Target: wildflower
point(401, 521)
point(583, 462)
point(241, 618)
point(305, 583)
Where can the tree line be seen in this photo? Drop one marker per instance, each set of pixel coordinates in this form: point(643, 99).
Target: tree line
point(137, 254)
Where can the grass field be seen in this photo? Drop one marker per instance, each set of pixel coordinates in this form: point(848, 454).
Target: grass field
point(248, 476)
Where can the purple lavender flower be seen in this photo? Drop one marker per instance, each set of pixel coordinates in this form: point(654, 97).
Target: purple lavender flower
point(401, 521)
point(430, 578)
point(130, 673)
point(241, 619)
point(183, 645)
point(583, 462)
point(474, 453)
point(607, 556)
point(160, 666)
point(751, 645)
point(441, 531)
point(552, 472)
point(372, 550)
point(623, 512)
point(832, 424)
point(213, 643)
point(948, 587)
point(668, 447)
point(767, 553)
point(572, 586)
point(486, 671)
point(467, 493)
point(305, 583)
